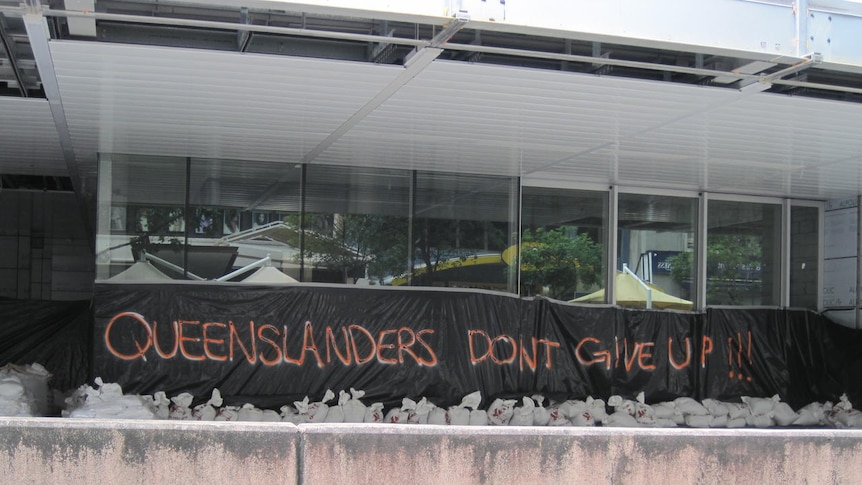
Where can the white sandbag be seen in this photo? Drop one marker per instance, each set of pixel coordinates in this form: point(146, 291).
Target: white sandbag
point(374, 413)
point(667, 411)
point(500, 412)
point(541, 416)
point(689, 407)
point(813, 414)
point(759, 421)
point(478, 417)
point(597, 409)
point(619, 404)
point(270, 416)
point(439, 416)
point(354, 409)
point(573, 407)
point(783, 414)
point(336, 413)
point(719, 421)
point(395, 416)
point(621, 419)
point(716, 408)
point(208, 410)
point(34, 377)
point(459, 416)
point(180, 406)
point(644, 413)
point(556, 416)
point(227, 413)
point(737, 422)
point(248, 412)
point(317, 411)
point(11, 388)
point(853, 419)
point(698, 420)
point(583, 418)
point(665, 423)
point(737, 410)
point(419, 413)
point(523, 414)
point(760, 406)
point(161, 404)
point(204, 412)
point(289, 414)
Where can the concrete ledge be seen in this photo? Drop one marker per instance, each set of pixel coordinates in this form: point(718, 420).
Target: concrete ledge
point(103, 452)
point(455, 455)
point(45, 450)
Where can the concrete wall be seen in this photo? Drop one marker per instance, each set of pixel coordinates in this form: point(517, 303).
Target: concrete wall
point(44, 450)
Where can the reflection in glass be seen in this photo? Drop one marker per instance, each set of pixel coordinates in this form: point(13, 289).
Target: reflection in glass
point(461, 225)
point(743, 253)
point(141, 201)
point(563, 241)
point(804, 256)
point(656, 240)
point(355, 225)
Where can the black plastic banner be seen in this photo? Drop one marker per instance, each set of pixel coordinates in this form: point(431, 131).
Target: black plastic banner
point(273, 345)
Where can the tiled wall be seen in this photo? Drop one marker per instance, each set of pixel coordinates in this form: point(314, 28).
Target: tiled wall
point(45, 253)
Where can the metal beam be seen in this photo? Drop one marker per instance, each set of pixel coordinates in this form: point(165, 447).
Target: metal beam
point(38, 33)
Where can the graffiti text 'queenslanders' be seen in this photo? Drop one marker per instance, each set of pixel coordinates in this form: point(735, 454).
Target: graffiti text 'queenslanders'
point(267, 344)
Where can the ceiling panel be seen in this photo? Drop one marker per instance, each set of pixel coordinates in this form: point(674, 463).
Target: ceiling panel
point(185, 102)
point(453, 117)
point(29, 144)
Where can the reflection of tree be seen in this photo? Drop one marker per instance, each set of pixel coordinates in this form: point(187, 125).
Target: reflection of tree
point(155, 222)
point(558, 260)
point(356, 244)
point(733, 265)
point(439, 240)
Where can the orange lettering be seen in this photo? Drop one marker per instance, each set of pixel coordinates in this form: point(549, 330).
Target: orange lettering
point(271, 342)
point(345, 358)
point(381, 346)
point(370, 338)
point(507, 360)
point(645, 355)
point(473, 359)
point(309, 345)
point(600, 356)
point(250, 356)
point(141, 349)
point(184, 339)
point(433, 361)
point(687, 354)
point(207, 340)
point(159, 351)
point(705, 350)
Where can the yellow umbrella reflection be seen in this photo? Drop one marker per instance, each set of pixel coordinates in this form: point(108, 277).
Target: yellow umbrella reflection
point(632, 293)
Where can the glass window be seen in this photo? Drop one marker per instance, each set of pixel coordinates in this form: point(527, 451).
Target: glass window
point(461, 225)
point(141, 207)
point(743, 253)
point(563, 243)
point(656, 240)
point(804, 256)
point(356, 224)
point(238, 217)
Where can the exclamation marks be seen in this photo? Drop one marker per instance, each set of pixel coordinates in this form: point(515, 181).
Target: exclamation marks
point(737, 349)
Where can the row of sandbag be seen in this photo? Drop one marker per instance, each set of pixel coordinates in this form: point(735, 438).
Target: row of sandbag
point(107, 400)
